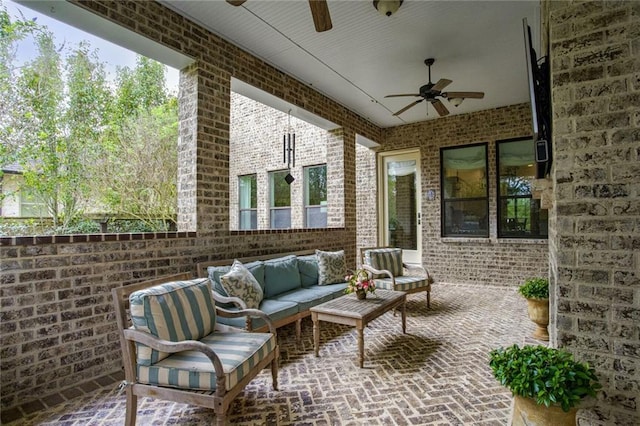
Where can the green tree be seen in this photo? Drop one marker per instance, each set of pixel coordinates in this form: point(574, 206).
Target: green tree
point(144, 185)
point(78, 141)
point(13, 112)
point(40, 86)
point(140, 89)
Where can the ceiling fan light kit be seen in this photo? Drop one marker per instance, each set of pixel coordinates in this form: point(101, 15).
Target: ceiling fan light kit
point(387, 7)
point(431, 93)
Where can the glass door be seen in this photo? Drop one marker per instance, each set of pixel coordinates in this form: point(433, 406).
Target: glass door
point(401, 222)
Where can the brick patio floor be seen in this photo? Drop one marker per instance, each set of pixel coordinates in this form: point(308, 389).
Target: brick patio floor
point(436, 374)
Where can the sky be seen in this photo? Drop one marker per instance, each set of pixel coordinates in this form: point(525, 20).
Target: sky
point(110, 54)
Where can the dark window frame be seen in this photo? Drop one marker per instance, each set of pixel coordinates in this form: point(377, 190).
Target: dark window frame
point(501, 232)
point(445, 202)
point(307, 207)
point(253, 210)
point(271, 175)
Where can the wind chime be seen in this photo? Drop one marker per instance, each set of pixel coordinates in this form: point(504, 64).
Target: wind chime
point(289, 150)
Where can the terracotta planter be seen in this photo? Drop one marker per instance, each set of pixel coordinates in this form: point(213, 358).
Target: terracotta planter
point(539, 313)
point(527, 413)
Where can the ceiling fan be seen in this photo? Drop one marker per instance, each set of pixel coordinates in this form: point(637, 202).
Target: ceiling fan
point(319, 12)
point(430, 92)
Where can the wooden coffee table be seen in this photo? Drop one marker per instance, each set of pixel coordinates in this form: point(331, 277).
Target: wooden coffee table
point(348, 310)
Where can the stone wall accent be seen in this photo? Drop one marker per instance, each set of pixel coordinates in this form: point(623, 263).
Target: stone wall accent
point(595, 226)
point(469, 260)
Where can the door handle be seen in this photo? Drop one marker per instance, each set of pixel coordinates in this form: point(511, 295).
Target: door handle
point(419, 218)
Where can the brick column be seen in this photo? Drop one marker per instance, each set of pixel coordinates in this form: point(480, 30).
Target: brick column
point(594, 232)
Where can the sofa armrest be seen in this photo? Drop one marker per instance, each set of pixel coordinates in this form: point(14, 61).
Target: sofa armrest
point(229, 299)
point(379, 272)
point(247, 313)
point(161, 345)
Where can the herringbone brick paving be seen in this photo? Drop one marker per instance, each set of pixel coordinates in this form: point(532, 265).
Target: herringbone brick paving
point(436, 374)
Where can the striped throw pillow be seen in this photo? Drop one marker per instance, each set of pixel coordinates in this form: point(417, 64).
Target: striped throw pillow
point(385, 258)
point(174, 311)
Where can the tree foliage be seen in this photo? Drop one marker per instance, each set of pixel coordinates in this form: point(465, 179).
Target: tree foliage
point(82, 143)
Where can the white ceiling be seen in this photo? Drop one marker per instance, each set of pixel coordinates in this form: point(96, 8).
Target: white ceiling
point(477, 44)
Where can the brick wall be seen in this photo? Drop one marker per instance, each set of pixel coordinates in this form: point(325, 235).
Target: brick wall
point(469, 260)
point(56, 319)
point(256, 147)
point(595, 225)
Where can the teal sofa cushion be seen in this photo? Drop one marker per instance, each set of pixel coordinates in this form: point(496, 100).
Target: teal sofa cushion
point(308, 268)
point(281, 275)
point(333, 290)
point(276, 309)
point(305, 298)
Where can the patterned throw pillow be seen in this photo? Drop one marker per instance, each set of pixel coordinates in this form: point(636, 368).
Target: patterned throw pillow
point(241, 283)
point(332, 267)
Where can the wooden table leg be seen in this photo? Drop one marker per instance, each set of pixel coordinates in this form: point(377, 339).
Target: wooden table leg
point(404, 316)
point(360, 328)
point(316, 333)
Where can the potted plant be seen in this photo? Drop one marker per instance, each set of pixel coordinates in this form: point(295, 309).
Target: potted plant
point(536, 291)
point(547, 383)
point(360, 283)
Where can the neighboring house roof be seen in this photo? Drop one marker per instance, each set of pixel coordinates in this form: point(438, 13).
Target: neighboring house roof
point(14, 168)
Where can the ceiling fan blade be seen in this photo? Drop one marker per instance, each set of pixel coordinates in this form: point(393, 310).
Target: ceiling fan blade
point(320, 13)
point(412, 104)
point(441, 84)
point(404, 94)
point(236, 2)
point(439, 106)
point(470, 95)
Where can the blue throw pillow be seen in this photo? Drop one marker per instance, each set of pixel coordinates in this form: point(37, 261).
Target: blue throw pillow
point(281, 275)
point(308, 267)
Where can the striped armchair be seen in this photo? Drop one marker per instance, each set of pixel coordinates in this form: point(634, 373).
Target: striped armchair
point(173, 347)
point(391, 273)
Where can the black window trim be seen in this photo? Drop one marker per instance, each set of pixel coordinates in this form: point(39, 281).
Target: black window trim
point(442, 198)
point(499, 231)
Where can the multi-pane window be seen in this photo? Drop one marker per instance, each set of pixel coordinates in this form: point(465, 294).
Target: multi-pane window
point(519, 215)
point(465, 201)
point(248, 202)
point(315, 196)
point(279, 200)
point(30, 206)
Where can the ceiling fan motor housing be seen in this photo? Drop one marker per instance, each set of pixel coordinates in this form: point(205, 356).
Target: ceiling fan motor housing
point(426, 92)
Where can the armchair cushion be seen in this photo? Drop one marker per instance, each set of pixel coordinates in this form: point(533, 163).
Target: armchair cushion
point(404, 283)
point(238, 352)
point(332, 267)
point(241, 283)
point(389, 259)
point(174, 311)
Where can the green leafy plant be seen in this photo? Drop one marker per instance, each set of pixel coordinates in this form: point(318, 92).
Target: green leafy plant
point(547, 375)
point(535, 288)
